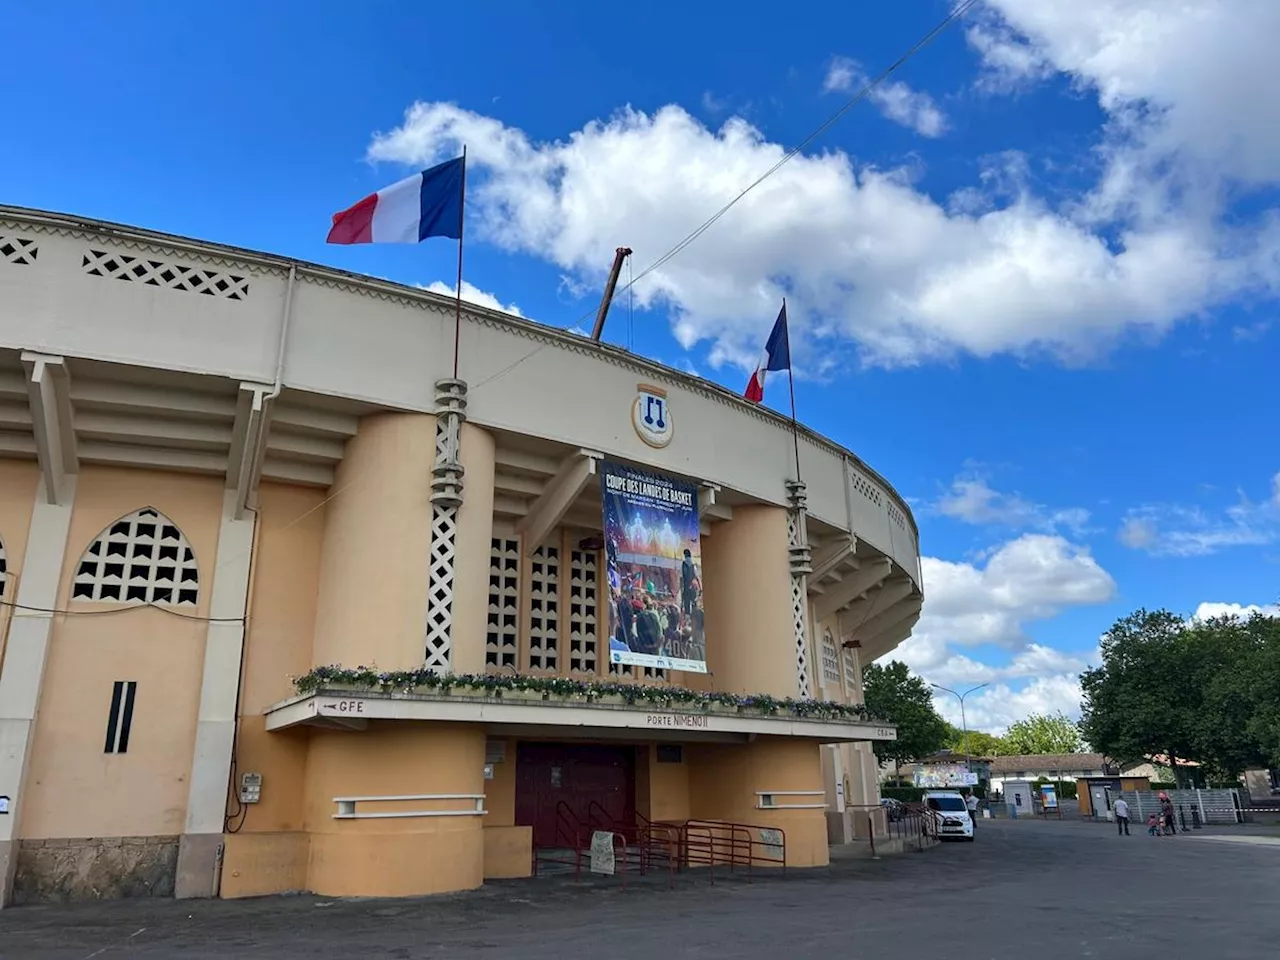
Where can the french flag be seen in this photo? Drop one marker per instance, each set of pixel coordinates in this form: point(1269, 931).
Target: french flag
point(777, 356)
point(428, 204)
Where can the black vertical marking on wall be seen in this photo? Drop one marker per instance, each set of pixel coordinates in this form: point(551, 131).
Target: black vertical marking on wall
point(127, 720)
point(112, 716)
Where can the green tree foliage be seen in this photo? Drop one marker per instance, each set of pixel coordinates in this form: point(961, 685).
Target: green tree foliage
point(1043, 733)
point(893, 694)
point(1207, 691)
point(980, 744)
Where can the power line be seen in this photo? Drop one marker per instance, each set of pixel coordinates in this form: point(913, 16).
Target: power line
point(956, 13)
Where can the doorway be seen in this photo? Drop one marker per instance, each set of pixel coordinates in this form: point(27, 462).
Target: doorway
point(585, 777)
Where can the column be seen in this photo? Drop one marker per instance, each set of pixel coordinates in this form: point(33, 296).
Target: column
point(374, 568)
point(472, 551)
point(25, 657)
point(747, 584)
point(216, 720)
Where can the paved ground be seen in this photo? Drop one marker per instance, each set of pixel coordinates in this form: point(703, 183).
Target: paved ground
point(1036, 889)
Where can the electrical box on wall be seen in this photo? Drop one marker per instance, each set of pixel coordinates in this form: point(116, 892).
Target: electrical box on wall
point(250, 787)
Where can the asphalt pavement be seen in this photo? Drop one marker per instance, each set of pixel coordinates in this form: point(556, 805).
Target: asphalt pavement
point(1047, 890)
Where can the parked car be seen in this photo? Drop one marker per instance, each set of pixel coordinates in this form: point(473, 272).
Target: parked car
point(950, 818)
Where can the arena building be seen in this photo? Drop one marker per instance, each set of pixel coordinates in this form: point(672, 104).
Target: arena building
point(221, 470)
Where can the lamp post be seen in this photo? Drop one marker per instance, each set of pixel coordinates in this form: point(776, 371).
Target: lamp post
point(968, 761)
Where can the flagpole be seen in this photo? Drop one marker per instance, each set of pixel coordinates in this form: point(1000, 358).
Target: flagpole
point(457, 302)
point(791, 382)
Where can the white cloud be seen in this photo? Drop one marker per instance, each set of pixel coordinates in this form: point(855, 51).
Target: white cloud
point(1034, 577)
point(897, 101)
point(473, 294)
point(916, 280)
point(1210, 610)
point(992, 710)
point(1171, 530)
point(972, 500)
point(1179, 81)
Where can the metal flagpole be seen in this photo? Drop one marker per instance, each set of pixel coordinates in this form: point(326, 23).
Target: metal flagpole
point(457, 303)
point(791, 382)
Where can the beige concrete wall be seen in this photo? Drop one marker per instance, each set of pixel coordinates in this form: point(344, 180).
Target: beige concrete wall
point(508, 852)
point(500, 792)
point(372, 605)
point(747, 599)
point(395, 857)
point(18, 482)
point(724, 780)
point(142, 792)
point(471, 562)
point(258, 864)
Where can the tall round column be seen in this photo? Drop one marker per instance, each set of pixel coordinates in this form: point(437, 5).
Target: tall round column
point(746, 579)
point(372, 603)
point(472, 550)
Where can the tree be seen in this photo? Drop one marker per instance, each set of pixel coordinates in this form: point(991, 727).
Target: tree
point(894, 695)
point(1043, 733)
point(980, 744)
point(1205, 691)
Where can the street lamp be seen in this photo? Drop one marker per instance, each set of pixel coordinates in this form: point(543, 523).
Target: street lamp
point(968, 760)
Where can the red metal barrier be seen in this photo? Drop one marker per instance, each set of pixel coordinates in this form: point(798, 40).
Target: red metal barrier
point(715, 842)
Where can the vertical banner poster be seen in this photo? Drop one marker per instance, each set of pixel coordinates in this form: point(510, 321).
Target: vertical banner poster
point(654, 561)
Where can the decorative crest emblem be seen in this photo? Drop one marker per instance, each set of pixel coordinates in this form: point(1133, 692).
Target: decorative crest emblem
point(651, 416)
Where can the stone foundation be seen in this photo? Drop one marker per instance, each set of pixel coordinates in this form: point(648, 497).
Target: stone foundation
point(95, 868)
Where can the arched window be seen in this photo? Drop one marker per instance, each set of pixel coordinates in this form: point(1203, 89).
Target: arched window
point(4, 570)
point(141, 558)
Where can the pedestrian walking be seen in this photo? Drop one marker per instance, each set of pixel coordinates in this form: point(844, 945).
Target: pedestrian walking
point(1166, 814)
point(1122, 818)
point(971, 804)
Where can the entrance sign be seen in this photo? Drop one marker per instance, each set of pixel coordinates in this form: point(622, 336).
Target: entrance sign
point(654, 560)
point(602, 852)
point(771, 843)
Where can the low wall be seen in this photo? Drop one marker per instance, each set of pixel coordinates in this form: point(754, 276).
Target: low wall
point(95, 868)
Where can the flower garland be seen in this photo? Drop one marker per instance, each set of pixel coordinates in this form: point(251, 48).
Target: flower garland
point(494, 685)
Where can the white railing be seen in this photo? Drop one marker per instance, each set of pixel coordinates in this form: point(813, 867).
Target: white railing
point(765, 800)
point(347, 806)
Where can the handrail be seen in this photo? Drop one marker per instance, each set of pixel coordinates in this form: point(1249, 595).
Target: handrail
point(708, 842)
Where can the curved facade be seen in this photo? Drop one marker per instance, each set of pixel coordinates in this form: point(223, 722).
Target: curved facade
point(221, 469)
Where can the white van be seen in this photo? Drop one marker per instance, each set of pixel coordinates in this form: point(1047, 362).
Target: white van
point(951, 820)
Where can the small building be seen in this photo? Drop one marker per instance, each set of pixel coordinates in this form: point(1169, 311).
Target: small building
point(1097, 794)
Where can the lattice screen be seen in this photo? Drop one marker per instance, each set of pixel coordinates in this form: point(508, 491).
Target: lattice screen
point(158, 273)
point(830, 661)
point(583, 610)
point(141, 558)
point(851, 674)
point(544, 610)
point(502, 641)
point(19, 251)
point(802, 642)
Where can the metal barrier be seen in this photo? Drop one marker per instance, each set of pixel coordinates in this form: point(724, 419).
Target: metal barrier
point(571, 832)
point(716, 842)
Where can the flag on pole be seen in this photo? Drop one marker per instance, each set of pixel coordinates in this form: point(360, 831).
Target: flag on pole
point(777, 356)
point(428, 204)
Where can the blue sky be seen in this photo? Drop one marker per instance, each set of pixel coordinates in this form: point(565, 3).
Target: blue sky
point(1033, 280)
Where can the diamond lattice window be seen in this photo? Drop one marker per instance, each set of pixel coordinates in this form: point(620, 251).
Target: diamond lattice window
point(544, 610)
point(802, 646)
point(583, 608)
point(19, 251)
point(141, 558)
point(830, 661)
point(850, 674)
point(4, 571)
point(502, 639)
point(159, 273)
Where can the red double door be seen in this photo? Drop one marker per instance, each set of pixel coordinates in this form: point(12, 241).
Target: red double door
point(589, 779)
